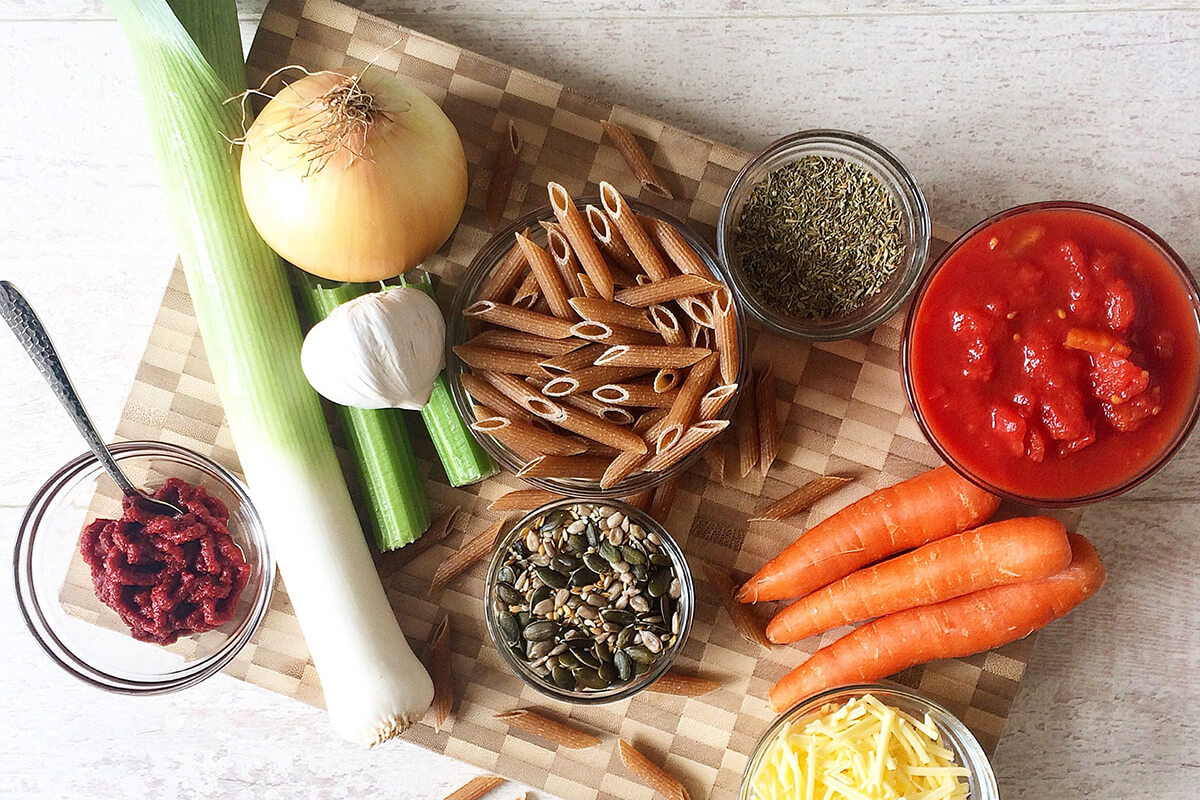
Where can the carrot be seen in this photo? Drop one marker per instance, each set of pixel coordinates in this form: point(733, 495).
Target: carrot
point(992, 555)
point(931, 506)
point(951, 629)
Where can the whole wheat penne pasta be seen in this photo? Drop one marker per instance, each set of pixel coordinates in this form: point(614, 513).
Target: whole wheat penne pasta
point(683, 411)
point(586, 287)
point(586, 467)
point(471, 551)
point(519, 319)
point(503, 171)
point(715, 458)
point(648, 426)
point(666, 380)
point(651, 356)
point(634, 394)
point(768, 429)
point(564, 260)
point(613, 334)
point(550, 225)
point(585, 424)
point(671, 241)
point(612, 313)
point(529, 293)
point(742, 615)
point(584, 402)
point(548, 277)
point(573, 361)
point(795, 502)
point(704, 337)
point(725, 325)
point(677, 683)
point(697, 308)
point(508, 339)
point(522, 500)
point(636, 159)
point(611, 242)
point(537, 724)
point(663, 290)
point(492, 359)
point(475, 788)
point(692, 438)
point(716, 399)
point(488, 395)
point(626, 222)
point(482, 411)
point(589, 378)
point(506, 275)
point(646, 422)
point(526, 440)
point(745, 425)
point(664, 497)
point(667, 325)
point(580, 237)
point(650, 773)
point(511, 387)
point(437, 660)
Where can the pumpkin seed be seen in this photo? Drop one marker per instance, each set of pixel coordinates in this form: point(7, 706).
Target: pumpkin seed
point(540, 631)
point(639, 654)
point(596, 563)
point(508, 594)
point(623, 664)
point(536, 650)
point(650, 641)
point(639, 572)
point(631, 555)
point(524, 617)
point(607, 673)
point(539, 594)
point(565, 563)
point(602, 652)
point(660, 560)
point(568, 660)
point(610, 553)
point(583, 577)
point(592, 533)
point(577, 543)
point(506, 574)
point(509, 628)
point(587, 658)
point(590, 679)
point(617, 616)
point(660, 583)
point(550, 578)
point(563, 678)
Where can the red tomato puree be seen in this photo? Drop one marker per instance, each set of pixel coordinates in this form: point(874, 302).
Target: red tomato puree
point(1054, 354)
point(167, 576)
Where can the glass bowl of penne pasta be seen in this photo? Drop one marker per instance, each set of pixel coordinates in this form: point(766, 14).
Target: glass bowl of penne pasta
point(597, 350)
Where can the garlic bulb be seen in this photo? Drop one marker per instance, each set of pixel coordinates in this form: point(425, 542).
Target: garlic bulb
point(381, 350)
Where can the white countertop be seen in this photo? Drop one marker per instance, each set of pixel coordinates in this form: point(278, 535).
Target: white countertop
point(990, 107)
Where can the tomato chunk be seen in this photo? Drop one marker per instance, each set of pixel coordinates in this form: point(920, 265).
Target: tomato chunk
point(1009, 427)
point(1116, 380)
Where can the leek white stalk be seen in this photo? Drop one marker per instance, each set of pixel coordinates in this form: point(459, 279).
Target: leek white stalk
point(374, 686)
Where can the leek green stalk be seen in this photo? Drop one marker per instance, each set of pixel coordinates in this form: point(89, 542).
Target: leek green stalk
point(374, 685)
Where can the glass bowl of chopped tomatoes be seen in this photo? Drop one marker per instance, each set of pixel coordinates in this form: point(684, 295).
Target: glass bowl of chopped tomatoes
point(1052, 353)
point(136, 603)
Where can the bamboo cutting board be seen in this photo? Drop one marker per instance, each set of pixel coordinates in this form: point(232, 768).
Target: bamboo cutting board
point(842, 402)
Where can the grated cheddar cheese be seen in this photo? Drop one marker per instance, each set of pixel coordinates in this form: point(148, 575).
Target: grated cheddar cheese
point(860, 750)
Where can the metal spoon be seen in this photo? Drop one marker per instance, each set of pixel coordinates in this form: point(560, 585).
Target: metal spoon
point(30, 332)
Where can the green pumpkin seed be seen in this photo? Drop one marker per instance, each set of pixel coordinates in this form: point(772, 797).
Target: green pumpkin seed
point(506, 574)
point(640, 668)
point(553, 521)
point(565, 563)
point(639, 572)
point(568, 660)
point(625, 637)
point(609, 552)
point(660, 583)
point(583, 577)
point(563, 678)
point(607, 672)
point(508, 594)
point(631, 555)
point(660, 560)
point(539, 594)
point(587, 658)
point(639, 654)
point(524, 618)
point(592, 533)
point(577, 543)
point(540, 631)
point(617, 616)
point(623, 664)
point(602, 652)
point(536, 650)
point(596, 563)
point(509, 628)
point(590, 679)
point(550, 578)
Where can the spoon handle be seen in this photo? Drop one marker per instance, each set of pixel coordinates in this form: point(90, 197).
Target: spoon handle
point(30, 332)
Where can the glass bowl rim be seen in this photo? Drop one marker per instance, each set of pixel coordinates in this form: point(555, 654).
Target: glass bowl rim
point(964, 743)
point(456, 329)
point(45, 634)
point(864, 150)
point(661, 666)
point(1187, 283)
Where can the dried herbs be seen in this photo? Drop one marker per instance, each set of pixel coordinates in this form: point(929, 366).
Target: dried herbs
point(819, 237)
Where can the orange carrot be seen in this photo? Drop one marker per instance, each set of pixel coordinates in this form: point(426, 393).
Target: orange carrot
point(931, 506)
point(951, 629)
point(992, 555)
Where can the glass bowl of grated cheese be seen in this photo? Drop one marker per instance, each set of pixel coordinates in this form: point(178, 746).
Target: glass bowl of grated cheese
point(870, 742)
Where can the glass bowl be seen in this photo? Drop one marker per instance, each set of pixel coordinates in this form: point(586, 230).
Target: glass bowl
point(1186, 285)
point(54, 587)
point(955, 735)
point(889, 171)
point(488, 258)
point(617, 692)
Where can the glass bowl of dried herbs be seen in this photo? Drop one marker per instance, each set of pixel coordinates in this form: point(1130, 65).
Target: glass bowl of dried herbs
point(824, 234)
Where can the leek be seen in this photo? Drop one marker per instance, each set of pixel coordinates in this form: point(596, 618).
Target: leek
point(374, 685)
point(397, 509)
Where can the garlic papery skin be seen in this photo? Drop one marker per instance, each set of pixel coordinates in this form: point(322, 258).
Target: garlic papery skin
point(381, 350)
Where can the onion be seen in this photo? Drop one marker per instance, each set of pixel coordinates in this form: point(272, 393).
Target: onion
point(353, 178)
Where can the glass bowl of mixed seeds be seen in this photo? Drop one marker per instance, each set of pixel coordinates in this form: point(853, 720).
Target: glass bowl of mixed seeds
point(588, 601)
point(824, 234)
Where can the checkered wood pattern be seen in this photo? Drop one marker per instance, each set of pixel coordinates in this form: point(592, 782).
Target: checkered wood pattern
point(842, 404)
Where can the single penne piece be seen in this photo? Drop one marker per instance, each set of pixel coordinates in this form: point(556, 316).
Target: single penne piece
point(667, 325)
point(715, 457)
point(662, 290)
point(475, 788)
point(511, 387)
point(666, 380)
point(647, 255)
point(526, 440)
point(580, 237)
point(437, 660)
point(745, 424)
point(725, 327)
point(692, 438)
point(585, 424)
point(800, 499)
point(683, 411)
point(507, 274)
point(529, 293)
point(589, 378)
point(495, 360)
point(508, 156)
point(508, 339)
point(612, 334)
point(634, 394)
point(522, 500)
point(537, 724)
point(768, 429)
point(698, 309)
point(467, 554)
point(565, 261)
point(628, 462)
point(587, 467)
point(610, 313)
point(671, 241)
point(587, 287)
point(636, 159)
point(520, 319)
point(716, 399)
point(610, 241)
point(573, 361)
point(548, 277)
point(651, 356)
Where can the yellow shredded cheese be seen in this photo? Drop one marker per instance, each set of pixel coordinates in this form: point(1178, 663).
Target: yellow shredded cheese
point(860, 750)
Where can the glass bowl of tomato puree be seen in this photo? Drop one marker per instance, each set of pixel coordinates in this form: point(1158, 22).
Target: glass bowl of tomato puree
point(58, 599)
point(1052, 353)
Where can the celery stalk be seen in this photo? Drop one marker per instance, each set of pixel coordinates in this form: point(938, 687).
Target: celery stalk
point(374, 686)
point(378, 439)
